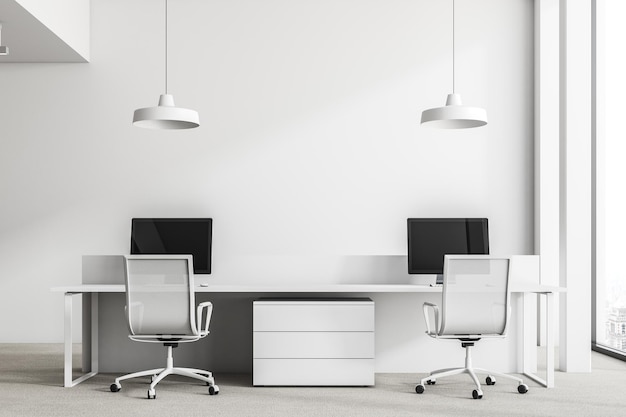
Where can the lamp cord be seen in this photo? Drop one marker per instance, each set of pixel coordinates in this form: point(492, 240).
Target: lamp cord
point(165, 46)
point(453, 60)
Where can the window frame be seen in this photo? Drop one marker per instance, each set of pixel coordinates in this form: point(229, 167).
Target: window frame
point(597, 153)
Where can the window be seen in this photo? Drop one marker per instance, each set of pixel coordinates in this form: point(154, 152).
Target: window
point(610, 171)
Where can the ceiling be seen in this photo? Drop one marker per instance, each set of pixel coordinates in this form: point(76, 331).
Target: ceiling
point(29, 39)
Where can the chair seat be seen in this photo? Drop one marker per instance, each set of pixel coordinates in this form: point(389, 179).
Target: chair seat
point(465, 337)
point(161, 338)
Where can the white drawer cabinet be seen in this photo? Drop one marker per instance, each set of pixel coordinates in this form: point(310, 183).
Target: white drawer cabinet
point(313, 341)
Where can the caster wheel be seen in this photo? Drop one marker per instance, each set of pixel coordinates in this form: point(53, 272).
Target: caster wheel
point(490, 380)
point(477, 395)
point(214, 390)
point(522, 388)
point(151, 394)
point(431, 381)
point(419, 388)
point(115, 388)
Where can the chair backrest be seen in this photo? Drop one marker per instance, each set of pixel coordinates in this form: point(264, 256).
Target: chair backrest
point(160, 297)
point(475, 295)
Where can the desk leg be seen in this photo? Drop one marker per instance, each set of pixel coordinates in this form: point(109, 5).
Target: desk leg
point(550, 321)
point(67, 372)
point(90, 343)
point(68, 342)
point(94, 333)
point(528, 329)
point(549, 324)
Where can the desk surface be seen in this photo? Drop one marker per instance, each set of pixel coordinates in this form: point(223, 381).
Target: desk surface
point(307, 288)
point(90, 339)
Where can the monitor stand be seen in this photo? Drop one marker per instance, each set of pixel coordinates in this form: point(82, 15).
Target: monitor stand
point(438, 281)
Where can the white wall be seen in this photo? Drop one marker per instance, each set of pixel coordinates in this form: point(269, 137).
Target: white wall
point(310, 146)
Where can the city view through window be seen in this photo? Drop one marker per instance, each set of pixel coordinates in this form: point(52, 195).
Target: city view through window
point(611, 167)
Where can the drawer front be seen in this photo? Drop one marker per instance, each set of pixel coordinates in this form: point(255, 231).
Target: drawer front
point(313, 345)
point(315, 372)
point(313, 316)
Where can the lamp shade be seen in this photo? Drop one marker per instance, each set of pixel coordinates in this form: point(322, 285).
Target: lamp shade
point(166, 116)
point(454, 115)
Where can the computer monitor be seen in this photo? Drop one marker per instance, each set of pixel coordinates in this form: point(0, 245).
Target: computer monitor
point(429, 239)
point(174, 237)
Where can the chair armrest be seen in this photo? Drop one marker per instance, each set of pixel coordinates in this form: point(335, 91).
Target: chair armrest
point(204, 328)
point(435, 309)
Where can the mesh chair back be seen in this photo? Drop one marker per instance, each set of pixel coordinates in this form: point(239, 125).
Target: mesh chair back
point(160, 295)
point(475, 295)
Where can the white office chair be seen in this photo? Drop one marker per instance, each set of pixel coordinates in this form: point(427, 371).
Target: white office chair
point(160, 303)
point(475, 305)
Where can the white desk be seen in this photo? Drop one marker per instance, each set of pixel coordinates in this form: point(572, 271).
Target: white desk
point(526, 290)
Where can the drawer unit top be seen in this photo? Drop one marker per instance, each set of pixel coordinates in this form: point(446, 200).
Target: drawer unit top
point(271, 300)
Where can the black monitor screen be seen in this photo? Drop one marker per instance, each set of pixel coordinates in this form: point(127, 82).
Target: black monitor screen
point(174, 237)
point(430, 239)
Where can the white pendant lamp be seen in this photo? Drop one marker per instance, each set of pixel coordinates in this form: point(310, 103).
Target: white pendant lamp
point(166, 115)
point(454, 115)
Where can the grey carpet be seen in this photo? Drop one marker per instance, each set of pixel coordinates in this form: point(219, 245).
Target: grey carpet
point(31, 377)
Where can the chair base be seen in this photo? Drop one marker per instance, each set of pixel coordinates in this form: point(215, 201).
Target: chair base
point(469, 369)
point(159, 373)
